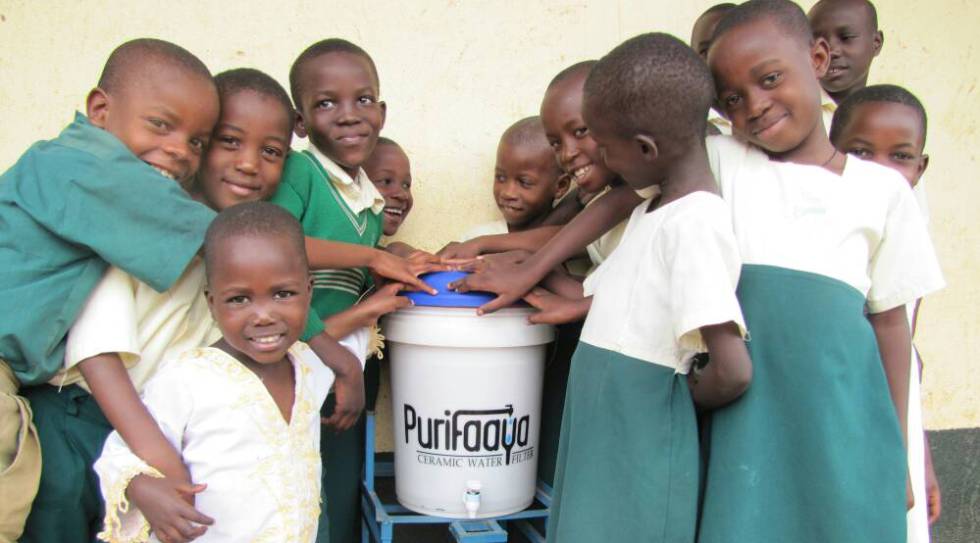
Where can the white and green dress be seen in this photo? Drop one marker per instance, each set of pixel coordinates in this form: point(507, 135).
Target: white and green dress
point(628, 455)
point(812, 452)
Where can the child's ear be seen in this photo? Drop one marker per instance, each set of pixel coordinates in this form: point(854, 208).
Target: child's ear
point(97, 107)
point(820, 57)
point(648, 147)
point(564, 182)
point(209, 296)
point(384, 113)
point(923, 164)
point(877, 42)
point(299, 127)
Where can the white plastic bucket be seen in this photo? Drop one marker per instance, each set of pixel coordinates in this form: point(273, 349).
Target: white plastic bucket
point(466, 396)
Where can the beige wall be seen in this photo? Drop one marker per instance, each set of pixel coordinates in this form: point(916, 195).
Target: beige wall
point(456, 73)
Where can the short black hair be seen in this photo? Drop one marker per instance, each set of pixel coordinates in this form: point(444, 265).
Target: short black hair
point(654, 84)
point(872, 12)
point(253, 219)
point(788, 16)
point(529, 132)
point(875, 93)
point(386, 141)
point(724, 6)
point(575, 69)
point(233, 81)
point(135, 58)
point(320, 48)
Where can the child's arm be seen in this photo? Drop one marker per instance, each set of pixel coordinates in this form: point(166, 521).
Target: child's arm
point(113, 390)
point(367, 312)
point(729, 370)
point(348, 380)
point(124, 477)
point(934, 498)
point(555, 309)
point(529, 240)
point(335, 254)
point(511, 283)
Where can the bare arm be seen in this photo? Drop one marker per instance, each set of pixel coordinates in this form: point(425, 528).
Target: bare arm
point(563, 284)
point(348, 380)
point(366, 312)
point(729, 370)
point(334, 254)
point(113, 390)
point(895, 344)
point(528, 240)
point(512, 283)
point(555, 309)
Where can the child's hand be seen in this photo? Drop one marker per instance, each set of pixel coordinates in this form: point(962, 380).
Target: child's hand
point(423, 258)
point(934, 499)
point(166, 506)
point(509, 281)
point(494, 260)
point(384, 301)
point(403, 270)
point(465, 250)
point(554, 309)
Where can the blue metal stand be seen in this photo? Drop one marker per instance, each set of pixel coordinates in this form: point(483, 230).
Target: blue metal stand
point(379, 519)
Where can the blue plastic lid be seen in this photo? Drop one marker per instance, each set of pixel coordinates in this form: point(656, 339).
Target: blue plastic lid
point(447, 297)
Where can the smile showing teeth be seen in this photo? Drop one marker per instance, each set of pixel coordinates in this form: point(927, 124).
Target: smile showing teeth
point(164, 173)
point(394, 211)
point(580, 173)
point(267, 340)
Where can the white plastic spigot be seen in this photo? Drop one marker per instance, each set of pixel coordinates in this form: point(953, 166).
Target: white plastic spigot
point(471, 497)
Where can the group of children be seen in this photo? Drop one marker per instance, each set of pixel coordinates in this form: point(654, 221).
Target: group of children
point(156, 391)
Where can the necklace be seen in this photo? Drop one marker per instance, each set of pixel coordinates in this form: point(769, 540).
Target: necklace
point(832, 156)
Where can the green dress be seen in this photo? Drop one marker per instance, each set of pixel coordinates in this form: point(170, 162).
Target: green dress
point(307, 192)
point(817, 424)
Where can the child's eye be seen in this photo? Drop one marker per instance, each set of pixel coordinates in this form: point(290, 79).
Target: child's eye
point(771, 80)
point(197, 144)
point(902, 156)
point(325, 104)
point(157, 123)
point(581, 132)
point(237, 300)
point(859, 152)
point(555, 144)
point(406, 185)
point(847, 37)
point(284, 294)
point(229, 141)
point(383, 182)
point(272, 152)
point(731, 101)
point(366, 100)
point(525, 182)
point(499, 178)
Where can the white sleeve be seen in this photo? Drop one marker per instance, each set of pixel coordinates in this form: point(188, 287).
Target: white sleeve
point(357, 343)
point(167, 396)
point(903, 266)
point(107, 323)
point(701, 254)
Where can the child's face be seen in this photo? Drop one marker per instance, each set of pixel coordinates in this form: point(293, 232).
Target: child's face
point(248, 149)
point(853, 41)
point(703, 29)
point(389, 170)
point(565, 128)
point(259, 294)
point(889, 134)
point(621, 155)
point(767, 85)
point(165, 119)
point(525, 183)
point(341, 111)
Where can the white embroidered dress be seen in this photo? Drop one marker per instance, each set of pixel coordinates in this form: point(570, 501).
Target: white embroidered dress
point(263, 475)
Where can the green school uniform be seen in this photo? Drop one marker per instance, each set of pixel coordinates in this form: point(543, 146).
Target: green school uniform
point(69, 207)
point(307, 192)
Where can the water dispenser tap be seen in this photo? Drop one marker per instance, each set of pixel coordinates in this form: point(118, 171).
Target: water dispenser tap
point(471, 498)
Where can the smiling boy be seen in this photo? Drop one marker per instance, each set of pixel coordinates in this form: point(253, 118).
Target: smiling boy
point(72, 206)
point(851, 30)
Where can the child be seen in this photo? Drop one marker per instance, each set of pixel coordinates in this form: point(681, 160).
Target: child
point(244, 412)
point(389, 170)
point(526, 180)
point(851, 30)
point(704, 29)
point(628, 459)
point(148, 122)
point(335, 87)
point(887, 124)
point(125, 322)
point(814, 450)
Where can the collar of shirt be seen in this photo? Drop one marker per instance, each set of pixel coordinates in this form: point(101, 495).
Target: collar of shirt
point(358, 193)
point(827, 103)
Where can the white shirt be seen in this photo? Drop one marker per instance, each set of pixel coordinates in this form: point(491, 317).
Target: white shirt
point(862, 228)
point(600, 249)
point(675, 271)
point(358, 193)
point(263, 474)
